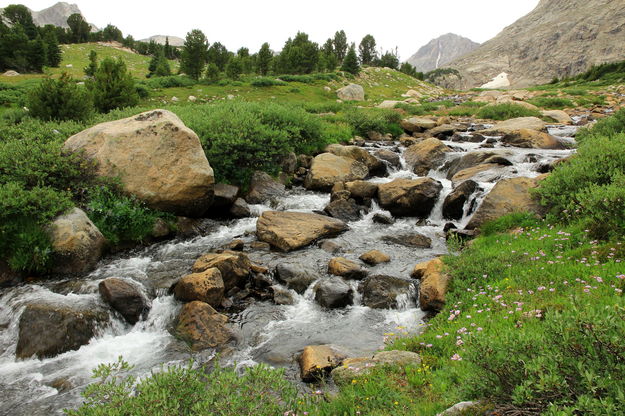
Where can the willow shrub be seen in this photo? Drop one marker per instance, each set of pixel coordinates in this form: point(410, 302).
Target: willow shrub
point(506, 111)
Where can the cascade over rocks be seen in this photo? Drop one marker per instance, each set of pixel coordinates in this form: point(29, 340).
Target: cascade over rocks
point(333, 293)
point(158, 159)
point(77, 242)
point(202, 327)
point(224, 197)
point(207, 286)
point(47, 330)
point(344, 210)
point(407, 197)
point(328, 169)
point(473, 159)
point(381, 291)
point(235, 268)
point(532, 139)
point(426, 155)
point(295, 276)
point(409, 240)
point(453, 206)
point(392, 158)
point(486, 172)
point(340, 266)
point(125, 298)
point(508, 196)
point(289, 231)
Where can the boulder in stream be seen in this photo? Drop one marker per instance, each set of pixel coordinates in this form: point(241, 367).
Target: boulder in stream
point(532, 139)
point(316, 361)
point(409, 240)
point(453, 206)
point(340, 266)
point(235, 267)
point(408, 197)
point(207, 286)
point(375, 257)
point(328, 169)
point(295, 276)
point(202, 327)
point(290, 231)
point(381, 291)
point(344, 209)
point(333, 293)
point(376, 166)
point(433, 286)
point(263, 188)
point(125, 298)
point(426, 155)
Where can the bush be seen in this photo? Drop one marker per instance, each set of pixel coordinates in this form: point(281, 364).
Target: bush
point(172, 81)
point(552, 103)
point(606, 127)
point(506, 111)
point(60, 100)
point(305, 79)
point(365, 120)
point(266, 82)
point(10, 97)
point(260, 390)
point(112, 86)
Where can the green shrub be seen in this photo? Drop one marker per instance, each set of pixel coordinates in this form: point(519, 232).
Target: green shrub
point(9, 97)
point(266, 82)
point(172, 81)
point(506, 111)
point(372, 119)
point(590, 100)
point(508, 222)
point(327, 107)
point(260, 390)
point(120, 218)
point(60, 100)
point(112, 86)
point(305, 79)
point(552, 103)
point(606, 127)
point(142, 91)
point(412, 109)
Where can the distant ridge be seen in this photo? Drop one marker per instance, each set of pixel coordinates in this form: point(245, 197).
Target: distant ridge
point(441, 51)
point(160, 39)
point(56, 15)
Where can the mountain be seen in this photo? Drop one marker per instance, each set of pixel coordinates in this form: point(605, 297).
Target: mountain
point(160, 39)
point(441, 51)
point(558, 38)
point(57, 15)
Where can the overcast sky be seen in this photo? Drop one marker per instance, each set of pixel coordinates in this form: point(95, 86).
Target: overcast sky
point(407, 24)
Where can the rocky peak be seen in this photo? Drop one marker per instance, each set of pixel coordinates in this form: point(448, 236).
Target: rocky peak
point(441, 51)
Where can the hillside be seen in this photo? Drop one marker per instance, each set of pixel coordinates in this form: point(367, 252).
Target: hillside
point(441, 51)
point(160, 39)
point(557, 39)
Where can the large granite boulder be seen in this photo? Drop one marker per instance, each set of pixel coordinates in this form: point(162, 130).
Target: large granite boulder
point(473, 159)
point(289, 231)
point(351, 92)
point(409, 198)
point(235, 267)
point(125, 298)
point(515, 124)
point(417, 124)
point(207, 286)
point(426, 155)
point(318, 360)
point(453, 206)
point(46, 330)
point(532, 139)
point(158, 159)
point(77, 242)
point(351, 368)
point(433, 286)
point(202, 327)
point(328, 169)
point(376, 166)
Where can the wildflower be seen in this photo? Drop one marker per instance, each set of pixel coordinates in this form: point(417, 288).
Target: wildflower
point(459, 342)
point(456, 357)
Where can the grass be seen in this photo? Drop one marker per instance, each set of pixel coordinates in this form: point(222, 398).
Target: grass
point(505, 112)
point(552, 103)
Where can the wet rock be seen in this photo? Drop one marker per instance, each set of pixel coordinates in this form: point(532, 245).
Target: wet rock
point(282, 296)
point(263, 188)
point(46, 330)
point(473, 159)
point(409, 240)
point(333, 293)
point(304, 161)
point(375, 257)
point(477, 173)
point(357, 367)
point(376, 166)
point(361, 190)
point(461, 235)
point(344, 210)
point(235, 267)
point(125, 298)
point(388, 156)
point(453, 206)
point(317, 361)
point(383, 219)
point(433, 286)
point(351, 92)
point(426, 155)
point(558, 115)
point(340, 266)
point(330, 247)
point(157, 158)
point(7, 276)
point(202, 327)
point(295, 276)
point(508, 196)
point(532, 139)
point(328, 169)
point(381, 291)
point(260, 245)
point(240, 209)
point(191, 227)
point(289, 163)
point(207, 286)
point(406, 197)
point(515, 124)
point(445, 131)
point(290, 231)
point(417, 124)
point(235, 245)
point(77, 242)
point(160, 229)
point(225, 195)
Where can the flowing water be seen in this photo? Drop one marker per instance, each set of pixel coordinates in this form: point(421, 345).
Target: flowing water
point(266, 332)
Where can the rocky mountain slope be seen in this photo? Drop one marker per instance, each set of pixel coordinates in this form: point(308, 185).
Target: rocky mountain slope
point(57, 15)
point(558, 38)
point(441, 51)
point(160, 39)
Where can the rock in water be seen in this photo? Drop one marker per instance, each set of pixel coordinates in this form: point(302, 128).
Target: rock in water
point(406, 197)
point(202, 327)
point(375, 257)
point(77, 242)
point(125, 298)
point(158, 159)
point(426, 155)
point(295, 276)
point(417, 124)
point(508, 196)
point(235, 267)
point(207, 286)
point(376, 166)
point(380, 292)
point(46, 330)
point(433, 287)
point(515, 124)
point(263, 188)
point(340, 266)
point(328, 169)
point(351, 92)
point(318, 360)
point(289, 231)
point(453, 206)
point(333, 293)
point(532, 139)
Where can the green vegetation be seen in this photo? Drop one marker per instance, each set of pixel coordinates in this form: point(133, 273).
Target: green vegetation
point(60, 100)
point(552, 102)
point(112, 86)
point(506, 111)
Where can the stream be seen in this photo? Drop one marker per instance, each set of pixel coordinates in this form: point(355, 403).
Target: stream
point(266, 332)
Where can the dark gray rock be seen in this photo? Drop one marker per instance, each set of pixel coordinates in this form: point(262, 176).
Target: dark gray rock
point(333, 293)
point(381, 291)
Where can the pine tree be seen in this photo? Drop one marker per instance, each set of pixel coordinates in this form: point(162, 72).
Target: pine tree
point(167, 49)
point(79, 28)
point(218, 54)
point(299, 55)
point(234, 68)
point(264, 59)
point(350, 63)
point(90, 69)
point(112, 86)
point(340, 45)
point(194, 54)
point(36, 55)
point(60, 100)
point(367, 50)
point(18, 14)
point(54, 55)
point(212, 73)
point(327, 57)
point(159, 66)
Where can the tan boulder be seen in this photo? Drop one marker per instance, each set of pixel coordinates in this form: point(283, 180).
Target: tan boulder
point(318, 360)
point(234, 267)
point(328, 169)
point(289, 231)
point(559, 116)
point(388, 104)
point(207, 286)
point(202, 327)
point(375, 257)
point(433, 286)
point(359, 154)
point(507, 197)
point(473, 173)
point(426, 155)
point(361, 189)
point(472, 159)
point(351, 92)
point(417, 124)
point(77, 242)
point(532, 139)
point(340, 266)
point(515, 124)
point(158, 159)
point(361, 366)
point(408, 197)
